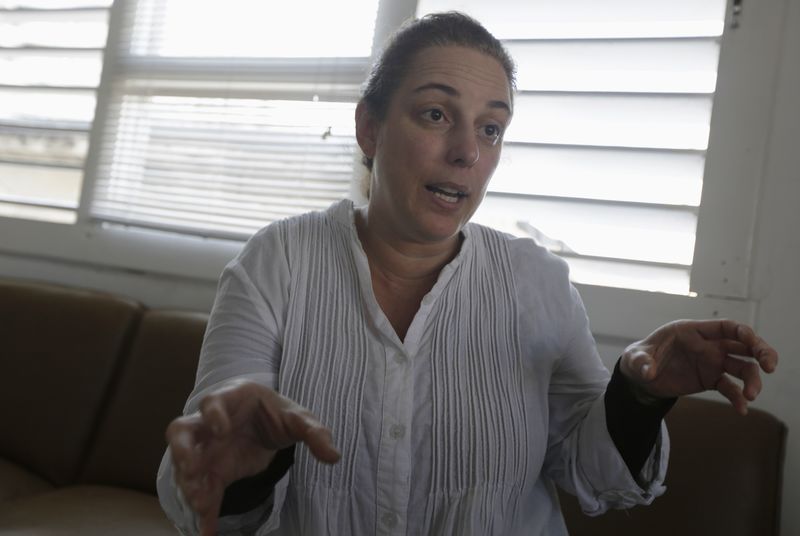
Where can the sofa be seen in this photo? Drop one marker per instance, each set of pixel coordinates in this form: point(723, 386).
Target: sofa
point(89, 381)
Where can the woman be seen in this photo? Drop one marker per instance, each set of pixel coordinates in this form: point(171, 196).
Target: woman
point(440, 377)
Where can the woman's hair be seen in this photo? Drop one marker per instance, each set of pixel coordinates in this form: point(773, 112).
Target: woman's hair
point(437, 29)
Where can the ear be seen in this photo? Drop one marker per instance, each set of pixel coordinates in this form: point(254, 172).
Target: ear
point(366, 130)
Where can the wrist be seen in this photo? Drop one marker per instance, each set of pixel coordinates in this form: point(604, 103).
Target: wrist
point(635, 391)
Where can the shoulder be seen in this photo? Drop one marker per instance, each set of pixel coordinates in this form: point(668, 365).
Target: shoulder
point(546, 297)
point(287, 241)
point(296, 229)
point(526, 257)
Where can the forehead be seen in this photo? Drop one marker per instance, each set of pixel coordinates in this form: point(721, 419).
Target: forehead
point(465, 69)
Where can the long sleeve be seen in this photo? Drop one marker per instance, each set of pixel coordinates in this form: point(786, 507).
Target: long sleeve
point(243, 340)
point(581, 456)
point(584, 459)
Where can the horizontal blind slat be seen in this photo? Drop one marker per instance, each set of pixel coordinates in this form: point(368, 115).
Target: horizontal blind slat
point(624, 121)
point(662, 236)
point(207, 165)
point(588, 18)
point(649, 66)
point(644, 176)
point(246, 29)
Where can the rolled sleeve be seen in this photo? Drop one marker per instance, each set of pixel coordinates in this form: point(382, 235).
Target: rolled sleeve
point(602, 478)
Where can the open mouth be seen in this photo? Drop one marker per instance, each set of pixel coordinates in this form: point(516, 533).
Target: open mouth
point(450, 195)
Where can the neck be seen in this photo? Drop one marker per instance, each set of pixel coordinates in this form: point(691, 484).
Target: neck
point(401, 260)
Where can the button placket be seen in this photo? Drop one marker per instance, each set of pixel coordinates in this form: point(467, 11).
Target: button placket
point(389, 519)
point(394, 463)
point(397, 431)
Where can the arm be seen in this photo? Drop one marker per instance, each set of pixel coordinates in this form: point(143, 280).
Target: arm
point(590, 417)
point(234, 422)
point(680, 358)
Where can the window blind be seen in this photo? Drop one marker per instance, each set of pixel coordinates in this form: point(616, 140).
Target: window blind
point(225, 117)
point(603, 162)
point(50, 62)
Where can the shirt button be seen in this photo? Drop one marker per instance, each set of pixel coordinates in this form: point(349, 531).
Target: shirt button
point(400, 358)
point(389, 519)
point(397, 431)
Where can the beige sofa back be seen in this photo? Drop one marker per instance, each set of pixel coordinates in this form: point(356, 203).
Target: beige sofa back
point(155, 379)
point(88, 384)
point(59, 351)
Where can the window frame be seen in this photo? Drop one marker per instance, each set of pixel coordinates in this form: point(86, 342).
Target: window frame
point(720, 279)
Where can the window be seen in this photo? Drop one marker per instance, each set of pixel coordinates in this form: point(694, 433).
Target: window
point(51, 54)
point(603, 162)
point(200, 120)
point(223, 117)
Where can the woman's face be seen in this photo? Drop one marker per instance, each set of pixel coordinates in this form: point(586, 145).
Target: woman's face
point(437, 147)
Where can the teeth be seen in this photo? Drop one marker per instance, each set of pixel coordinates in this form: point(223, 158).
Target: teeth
point(450, 193)
point(446, 197)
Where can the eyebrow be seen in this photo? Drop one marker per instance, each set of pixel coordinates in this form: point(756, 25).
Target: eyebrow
point(453, 92)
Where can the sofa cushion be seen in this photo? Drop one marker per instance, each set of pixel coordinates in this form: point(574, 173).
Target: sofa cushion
point(156, 379)
point(15, 482)
point(724, 477)
point(85, 511)
point(60, 348)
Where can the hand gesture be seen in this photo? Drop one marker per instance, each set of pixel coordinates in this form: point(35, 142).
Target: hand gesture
point(688, 356)
point(236, 434)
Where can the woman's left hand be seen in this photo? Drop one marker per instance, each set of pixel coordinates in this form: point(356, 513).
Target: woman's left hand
point(690, 356)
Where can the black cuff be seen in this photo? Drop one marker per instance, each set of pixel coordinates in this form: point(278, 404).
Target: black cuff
point(633, 425)
point(248, 493)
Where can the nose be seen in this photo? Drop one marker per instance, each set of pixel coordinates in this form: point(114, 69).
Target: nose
point(463, 150)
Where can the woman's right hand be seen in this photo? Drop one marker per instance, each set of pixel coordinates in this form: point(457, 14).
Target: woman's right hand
point(236, 434)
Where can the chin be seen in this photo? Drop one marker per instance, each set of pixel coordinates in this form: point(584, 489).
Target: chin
point(442, 232)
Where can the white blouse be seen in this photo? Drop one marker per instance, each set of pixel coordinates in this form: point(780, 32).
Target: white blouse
point(463, 428)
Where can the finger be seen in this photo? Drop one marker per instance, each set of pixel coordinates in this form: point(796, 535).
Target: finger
point(747, 371)
point(736, 348)
point(766, 355)
point(638, 366)
point(208, 526)
point(320, 443)
point(717, 329)
point(231, 405)
point(728, 388)
point(763, 352)
point(215, 412)
point(318, 438)
point(208, 506)
point(185, 436)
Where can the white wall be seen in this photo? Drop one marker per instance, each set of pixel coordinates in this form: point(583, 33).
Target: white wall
point(776, 264)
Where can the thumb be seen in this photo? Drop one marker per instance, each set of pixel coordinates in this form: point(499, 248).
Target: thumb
point(638, 366)
point(318, 438)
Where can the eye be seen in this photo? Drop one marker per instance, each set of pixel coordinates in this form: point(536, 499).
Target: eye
point(492, 132)
point(434, 114)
